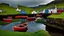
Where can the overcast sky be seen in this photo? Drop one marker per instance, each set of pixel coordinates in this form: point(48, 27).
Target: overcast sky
point(28, 3)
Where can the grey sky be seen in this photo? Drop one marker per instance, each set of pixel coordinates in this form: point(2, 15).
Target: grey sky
point(28, 3)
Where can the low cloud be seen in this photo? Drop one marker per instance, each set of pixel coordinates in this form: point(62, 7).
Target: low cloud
point(28, 3)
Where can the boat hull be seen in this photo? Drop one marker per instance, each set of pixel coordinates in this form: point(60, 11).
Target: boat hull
point(20, 28)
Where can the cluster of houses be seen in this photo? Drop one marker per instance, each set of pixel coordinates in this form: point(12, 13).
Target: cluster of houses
point(50, 11)
point(45, 11)
point(54, 10)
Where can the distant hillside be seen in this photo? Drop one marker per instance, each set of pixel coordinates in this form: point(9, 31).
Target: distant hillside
point(27, 9)
point(59, 4)
point(11, 10)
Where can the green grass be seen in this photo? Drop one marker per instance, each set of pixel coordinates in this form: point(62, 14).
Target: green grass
point(27, 9)
point(60, 5)
point(12, 11)
point(57, 16)
point(9, 10)
point(38, 33)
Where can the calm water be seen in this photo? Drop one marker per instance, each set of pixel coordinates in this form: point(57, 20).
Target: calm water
point(32, 26)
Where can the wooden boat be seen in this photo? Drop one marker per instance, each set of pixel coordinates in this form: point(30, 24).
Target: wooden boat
point(9, 19)
point(19, 17)
point(21, 27)
point(31, 18)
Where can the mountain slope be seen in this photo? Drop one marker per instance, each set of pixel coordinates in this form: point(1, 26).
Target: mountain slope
point(11, 10)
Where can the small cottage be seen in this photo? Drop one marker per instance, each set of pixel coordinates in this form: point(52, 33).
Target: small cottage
point(34, 12)
point(18, 9)
point(0, 10)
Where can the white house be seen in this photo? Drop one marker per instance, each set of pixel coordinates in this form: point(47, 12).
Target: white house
point(51, 10)
point(33, 12)
point(0, 10)
point(55, 10)
point(43, 11)
point(18, 9)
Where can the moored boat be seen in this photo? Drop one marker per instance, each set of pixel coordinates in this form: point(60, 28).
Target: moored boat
point(20, 17)
point(31, 18)
point(21, 28)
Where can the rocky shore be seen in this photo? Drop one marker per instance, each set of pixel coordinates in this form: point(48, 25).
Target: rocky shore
point(58, 22)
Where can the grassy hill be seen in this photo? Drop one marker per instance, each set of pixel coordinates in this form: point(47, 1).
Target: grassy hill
point(11, 10)
point(38, 33)
point(59, 5)
point(57, 16)
point(27, 9)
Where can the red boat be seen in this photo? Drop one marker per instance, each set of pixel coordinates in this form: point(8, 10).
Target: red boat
point(31, 18)
point(21, 28)
point(9, 19)
point(19, 17)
